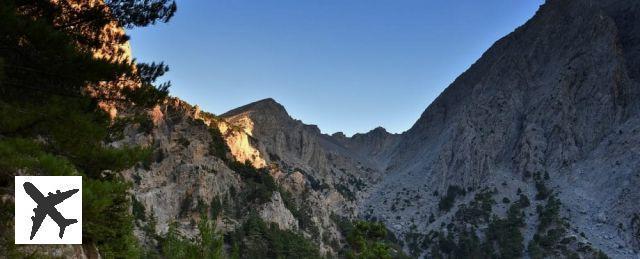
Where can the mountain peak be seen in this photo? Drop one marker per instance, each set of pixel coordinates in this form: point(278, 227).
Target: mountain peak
point(379, 130)
point(267, 106)
point(376, 132)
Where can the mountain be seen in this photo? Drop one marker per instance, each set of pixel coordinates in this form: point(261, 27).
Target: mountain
point(548, 113)
point(330, 168)
point(555, 104)
point(533, 146)
point(532, 152)
point(319, 181)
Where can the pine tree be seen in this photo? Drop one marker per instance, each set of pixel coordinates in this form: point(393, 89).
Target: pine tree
point(50, 121)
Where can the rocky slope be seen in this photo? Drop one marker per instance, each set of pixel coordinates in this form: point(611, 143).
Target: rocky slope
point(557, 97)
point(296, 147)
point(318, 177)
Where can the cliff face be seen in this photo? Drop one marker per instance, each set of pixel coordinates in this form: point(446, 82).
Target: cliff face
point(297, 147)
point(186, 176)
point(564, 75)
point(557, 97)
point(374, 146)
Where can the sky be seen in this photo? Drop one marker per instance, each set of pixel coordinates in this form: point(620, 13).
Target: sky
point(344, 65)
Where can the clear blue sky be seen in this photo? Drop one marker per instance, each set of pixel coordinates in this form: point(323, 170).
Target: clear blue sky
point(344, 65)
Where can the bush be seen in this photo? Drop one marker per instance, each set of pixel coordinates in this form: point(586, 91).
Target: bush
point(257, 239)
point(208, 243)
point(506, 233)
point(345, 192)
point(523, 201)
point(543, 191)
point(175, 246)
point(446, 202)
point(259, 185)
point(216, 207)
point(218, 146)
point(367, 239)
point(185, 205)
point(549, 214)
point(137, 209)
point(478, 211)
point(107, 221)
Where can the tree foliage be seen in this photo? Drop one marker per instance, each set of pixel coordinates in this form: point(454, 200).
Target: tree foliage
point(446, 202)
point(50, 90)
point(257, 239)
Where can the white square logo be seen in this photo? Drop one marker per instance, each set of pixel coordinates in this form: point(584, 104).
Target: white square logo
point(48, 209)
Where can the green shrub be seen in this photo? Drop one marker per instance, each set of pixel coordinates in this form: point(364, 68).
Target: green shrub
point(523, 201)
point(506, 233)
point(211, 244)
point(446, 202)
point(367, 239)
point(138, 209)
point(478, 211)
point(176, 246)
point(107, 221)
point(185, 205)
point(549, 214)
point(543, 191)
point(345, 192)
point(216, 207)
point(257, 239)
point(218, 146)
point(258, 183)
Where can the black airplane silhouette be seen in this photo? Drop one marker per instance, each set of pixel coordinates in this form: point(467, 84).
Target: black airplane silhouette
point(46, 206)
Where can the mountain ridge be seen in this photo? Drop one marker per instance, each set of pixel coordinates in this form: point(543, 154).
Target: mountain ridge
point(540, 101)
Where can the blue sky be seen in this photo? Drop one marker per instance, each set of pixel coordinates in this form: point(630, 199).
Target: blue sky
point(344, 65)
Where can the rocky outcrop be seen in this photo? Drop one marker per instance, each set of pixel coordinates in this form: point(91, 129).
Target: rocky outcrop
point(275, 211)
point(239, 138)
point(183, 173)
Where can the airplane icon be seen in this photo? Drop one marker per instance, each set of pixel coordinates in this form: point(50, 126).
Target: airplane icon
point(46, 206)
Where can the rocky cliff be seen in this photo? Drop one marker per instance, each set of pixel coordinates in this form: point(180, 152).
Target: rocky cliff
point(555, 103)
point(187, 176)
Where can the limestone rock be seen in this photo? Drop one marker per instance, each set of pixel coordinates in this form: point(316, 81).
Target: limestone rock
point(275, 211)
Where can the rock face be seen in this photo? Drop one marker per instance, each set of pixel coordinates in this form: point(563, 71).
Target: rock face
point(275, 211)
point(559, 96)
point(185, 177)
point(293, 146)
point(374, 146)
point(183, 174)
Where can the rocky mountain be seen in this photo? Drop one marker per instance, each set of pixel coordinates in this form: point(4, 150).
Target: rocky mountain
point(532, 152)
point(318, 180)
point(552, 105)
point(374, 146)
point(538, 137)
